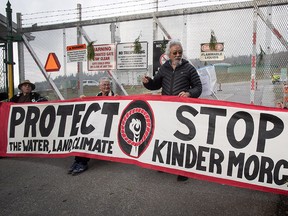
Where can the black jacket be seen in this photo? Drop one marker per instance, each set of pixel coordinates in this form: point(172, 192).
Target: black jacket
point(34, 97)
point(184, 78)
point(101, 94)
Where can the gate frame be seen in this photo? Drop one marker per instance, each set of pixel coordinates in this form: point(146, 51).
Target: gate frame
point(179, 12)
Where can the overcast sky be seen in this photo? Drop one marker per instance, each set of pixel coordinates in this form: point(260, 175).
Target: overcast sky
point(100, 7)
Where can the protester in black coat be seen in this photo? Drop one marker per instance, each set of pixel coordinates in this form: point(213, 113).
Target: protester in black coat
point(176, 77)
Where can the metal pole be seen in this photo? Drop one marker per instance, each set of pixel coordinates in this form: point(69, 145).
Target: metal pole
point(84, 34)
point(113, 29)
point(79, 64)
point(253, 59)
point(267, 66)
point(155, 31)
point(21, 61)
point(161, 27)
point(273, 29)
point(155, 25)
point(10, 61)
point(184, 36)
point(117, 33)
point(65, 63)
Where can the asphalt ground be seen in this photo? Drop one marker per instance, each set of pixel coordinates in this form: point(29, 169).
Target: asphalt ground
point(41, 186)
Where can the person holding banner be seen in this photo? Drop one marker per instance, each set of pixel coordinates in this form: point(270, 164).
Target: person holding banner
point(3, 96)
point(279, 104)
point(80, 164)
point(27, 94)
point(176, 77)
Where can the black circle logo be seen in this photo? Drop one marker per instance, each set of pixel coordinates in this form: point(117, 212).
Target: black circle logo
point(135, 128)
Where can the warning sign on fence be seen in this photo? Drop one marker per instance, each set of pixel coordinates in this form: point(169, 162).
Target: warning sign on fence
point(215, 54)
point(105, 58)
point(127, 58)
point(76, 53)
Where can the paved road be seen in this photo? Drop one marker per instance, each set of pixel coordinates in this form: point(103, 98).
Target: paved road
point(41, 186)
point(240, 92)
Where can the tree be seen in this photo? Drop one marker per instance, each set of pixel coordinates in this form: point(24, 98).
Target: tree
point(137, 45)
point(213, 41)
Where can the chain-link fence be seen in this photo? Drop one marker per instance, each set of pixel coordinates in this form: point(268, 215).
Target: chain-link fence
point(232, 25)
point(3, 72)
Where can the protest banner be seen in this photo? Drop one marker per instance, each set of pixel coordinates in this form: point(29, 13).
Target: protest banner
point(229, 143)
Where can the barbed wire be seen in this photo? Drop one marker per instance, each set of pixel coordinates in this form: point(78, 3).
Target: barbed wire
point(74, 9)
point(90, 17)
point(194, 3)
point(115, 6)
point(90, 11)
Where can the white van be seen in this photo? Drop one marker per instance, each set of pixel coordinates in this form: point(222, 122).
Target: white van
point(90, 83)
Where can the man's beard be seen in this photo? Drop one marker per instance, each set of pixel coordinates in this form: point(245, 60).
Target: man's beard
point(177, 62)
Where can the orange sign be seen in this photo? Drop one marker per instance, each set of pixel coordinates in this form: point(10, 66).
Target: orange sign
point(52, 63)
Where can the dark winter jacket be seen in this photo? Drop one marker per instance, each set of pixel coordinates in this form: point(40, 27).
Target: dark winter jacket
point(33, 97)
point(184, 78)
point(111, 93)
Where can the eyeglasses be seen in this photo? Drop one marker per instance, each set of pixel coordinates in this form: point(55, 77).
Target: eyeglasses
point(175, 52)
point(106, 84)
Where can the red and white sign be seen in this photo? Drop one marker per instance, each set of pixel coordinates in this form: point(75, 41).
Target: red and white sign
point(163, 58)
point(216, 54)
point(76, 53)
point(105, 58)
point(229, 143)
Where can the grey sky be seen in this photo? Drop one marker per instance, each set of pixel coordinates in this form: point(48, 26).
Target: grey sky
point(123, 7)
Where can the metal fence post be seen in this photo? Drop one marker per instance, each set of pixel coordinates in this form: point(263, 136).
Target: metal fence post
point(79, 64)
point(253, 59)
